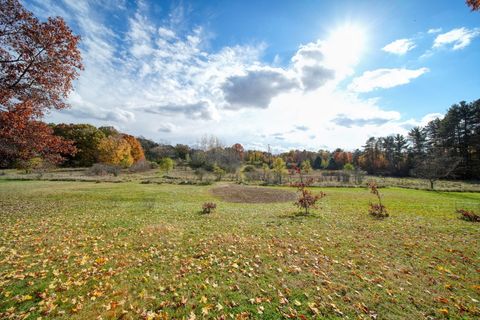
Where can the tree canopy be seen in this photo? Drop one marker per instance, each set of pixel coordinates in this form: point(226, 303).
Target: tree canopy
point(38, 63)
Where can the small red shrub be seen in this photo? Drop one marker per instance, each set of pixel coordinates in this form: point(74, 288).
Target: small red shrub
point(468, 215)
point(378, 210)
point(208, 207)
point(306, 199)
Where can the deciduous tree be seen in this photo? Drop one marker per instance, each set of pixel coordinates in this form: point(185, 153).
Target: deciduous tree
point(86, 139)
point(279, 169)
point(115, 150)
point(136, 149)
point(166, 164)
point(38, 63)
point(435, 166)
point(22, 138)
point(473, 4)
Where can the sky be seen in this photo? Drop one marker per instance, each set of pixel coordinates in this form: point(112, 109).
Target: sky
point(285, 74)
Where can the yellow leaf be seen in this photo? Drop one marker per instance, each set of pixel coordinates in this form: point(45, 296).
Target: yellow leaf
point(205, 310)
point(192, 316)
point(443, 311)
point(26, 298)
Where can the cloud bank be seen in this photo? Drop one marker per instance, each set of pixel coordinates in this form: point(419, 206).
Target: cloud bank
point(160, 78)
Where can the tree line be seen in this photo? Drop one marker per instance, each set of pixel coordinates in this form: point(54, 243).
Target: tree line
point(448, 147)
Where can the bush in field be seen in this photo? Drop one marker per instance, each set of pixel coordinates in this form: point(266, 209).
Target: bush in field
point(208, 207)
point(359, 175)
point(377, 210)
point(101, 169)
point(30, 165)
point(250, 173)
point(200, 173)
point(142, 166)
point(166, 164)
point(218, 172)
point(468, 215)
point(306, 199)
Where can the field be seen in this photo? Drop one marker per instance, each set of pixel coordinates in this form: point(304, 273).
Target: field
point(185, 175)
point(80, 250)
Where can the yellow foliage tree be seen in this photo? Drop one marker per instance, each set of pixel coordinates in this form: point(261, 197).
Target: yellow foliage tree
point(280, 169)
point(115, 150)
point(136, 149)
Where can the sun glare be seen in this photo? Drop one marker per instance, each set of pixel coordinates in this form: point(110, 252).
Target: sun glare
point(346, 44)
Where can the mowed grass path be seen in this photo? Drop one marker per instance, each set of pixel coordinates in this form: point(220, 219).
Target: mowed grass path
point(82, 250)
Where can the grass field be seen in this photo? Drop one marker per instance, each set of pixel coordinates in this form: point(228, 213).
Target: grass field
point(80, 250)
point(186, 175)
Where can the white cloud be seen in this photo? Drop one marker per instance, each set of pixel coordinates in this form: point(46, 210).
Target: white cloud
point(162, 77)
point(384, 78)
point(166, 127)
point(166, 33)
point(457, 38)
point(409, 124)
point(434, 30)
point(400, 46)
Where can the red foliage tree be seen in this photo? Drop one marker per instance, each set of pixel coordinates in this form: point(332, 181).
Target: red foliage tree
point(474, 4)
point(38, 63)
point(22, 138)
point(239, 150)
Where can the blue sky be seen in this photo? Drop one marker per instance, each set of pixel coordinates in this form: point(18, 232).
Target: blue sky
point(290, 74)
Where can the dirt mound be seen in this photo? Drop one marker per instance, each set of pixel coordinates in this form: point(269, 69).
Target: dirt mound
point(244, 194)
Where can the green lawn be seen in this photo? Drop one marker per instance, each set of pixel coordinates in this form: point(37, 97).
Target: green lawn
point(79, 250)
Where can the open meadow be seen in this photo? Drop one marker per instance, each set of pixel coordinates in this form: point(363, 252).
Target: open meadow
point(239, 160)
point(83, 250)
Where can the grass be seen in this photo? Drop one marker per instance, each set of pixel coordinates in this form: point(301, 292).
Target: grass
point(72, 250)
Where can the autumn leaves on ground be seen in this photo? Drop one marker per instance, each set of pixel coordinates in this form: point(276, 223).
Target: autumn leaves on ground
point(80, 250)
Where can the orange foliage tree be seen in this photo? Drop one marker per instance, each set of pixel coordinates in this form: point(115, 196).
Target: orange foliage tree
point(116, 151)
point(136, 149)
point(38, 63)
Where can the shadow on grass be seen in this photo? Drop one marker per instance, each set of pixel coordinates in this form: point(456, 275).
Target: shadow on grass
point(300, 216)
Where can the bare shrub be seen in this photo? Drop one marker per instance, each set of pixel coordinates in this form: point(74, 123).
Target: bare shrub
point(141, 166)
point(101, 169)
point(378, 210)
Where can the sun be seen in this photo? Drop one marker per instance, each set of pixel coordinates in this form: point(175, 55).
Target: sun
point(346, 44)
